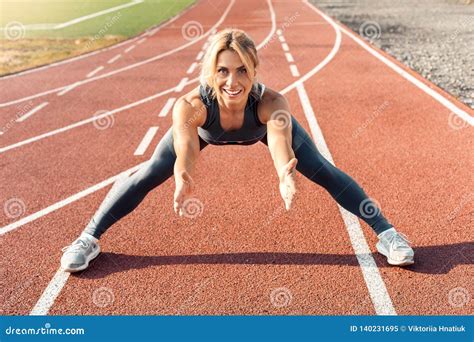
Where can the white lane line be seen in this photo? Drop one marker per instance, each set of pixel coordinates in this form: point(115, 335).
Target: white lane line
point(68, 89)
point(125, 68)
point(84, 122)
point(377, 290)
point(279, 32)
point(96, 14)
point(294, 70)
point(64, 202)
point(191, 68)
point(285, 47)
point(325, 61)
point(181, 85)
point(141, 40)
point(289, 57)
point(92, 53)
point(146, 141)
point(205, 46)
point(399, 70)
point(281, 38)
point(95, 71)
point(130, 48)
point(113, 59)
point(55, 286)
point(199, 56)
point(130, 105)
point(167, 107)
point(50, 294)
point(31, 112)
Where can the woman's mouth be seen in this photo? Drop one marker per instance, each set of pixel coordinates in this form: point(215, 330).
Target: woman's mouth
point(232, 93)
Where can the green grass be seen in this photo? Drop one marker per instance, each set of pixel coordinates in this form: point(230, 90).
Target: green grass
point(27, 48)
point(124, 22)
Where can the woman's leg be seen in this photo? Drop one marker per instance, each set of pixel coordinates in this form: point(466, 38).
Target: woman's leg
point(340, 186)
point(128, 195)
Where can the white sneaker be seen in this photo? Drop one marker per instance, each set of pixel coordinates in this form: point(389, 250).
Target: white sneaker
point(79, 254)
point(395, 246)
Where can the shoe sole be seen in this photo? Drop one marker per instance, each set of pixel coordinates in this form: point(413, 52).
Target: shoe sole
point(88, 260)
point(384, 252)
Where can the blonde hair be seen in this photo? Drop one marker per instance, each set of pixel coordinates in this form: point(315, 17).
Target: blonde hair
point(234, 40)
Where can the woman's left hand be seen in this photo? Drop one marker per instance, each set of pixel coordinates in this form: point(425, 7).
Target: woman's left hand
point(287, 182)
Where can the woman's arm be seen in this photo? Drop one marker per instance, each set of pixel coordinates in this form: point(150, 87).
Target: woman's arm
point(186, 119)
point(276, 114)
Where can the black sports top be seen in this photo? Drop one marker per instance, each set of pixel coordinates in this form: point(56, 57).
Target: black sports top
point(251, 131)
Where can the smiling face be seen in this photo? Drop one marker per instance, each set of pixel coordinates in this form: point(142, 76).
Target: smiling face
point(229, 68)
point(232, 81)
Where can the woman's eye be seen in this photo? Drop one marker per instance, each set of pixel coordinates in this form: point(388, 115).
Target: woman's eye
point(222, 71)
point(243, 71)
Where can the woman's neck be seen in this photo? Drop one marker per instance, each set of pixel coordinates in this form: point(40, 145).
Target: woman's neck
point(234, 109)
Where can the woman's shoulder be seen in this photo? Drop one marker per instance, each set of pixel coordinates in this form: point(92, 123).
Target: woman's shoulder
point(190, 107)
point(270, 102)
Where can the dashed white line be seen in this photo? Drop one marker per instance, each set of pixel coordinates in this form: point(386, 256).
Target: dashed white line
point(128, 67)
point(167, 107)
point(141, 40)
point(95, 71)
point(191, 68)
point(422, 86)
point(146, 141)
point(294, 70)
point(279, 32)
point(181, 85)
point(282, 39)
point(130, 48)
point(68, 89)
point(285, 47)
point(289, 57)
point(113, 59)
point(31, 112)
point(199, 56)
point(377, 290)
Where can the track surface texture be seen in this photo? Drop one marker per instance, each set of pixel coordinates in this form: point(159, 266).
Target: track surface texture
point(408, 147)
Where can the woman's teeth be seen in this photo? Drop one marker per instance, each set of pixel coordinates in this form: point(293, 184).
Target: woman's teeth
point(233, 93)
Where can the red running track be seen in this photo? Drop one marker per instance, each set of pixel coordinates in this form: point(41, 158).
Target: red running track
point(406, 149)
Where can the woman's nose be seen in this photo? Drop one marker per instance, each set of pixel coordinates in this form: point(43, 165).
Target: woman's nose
point(231, 80)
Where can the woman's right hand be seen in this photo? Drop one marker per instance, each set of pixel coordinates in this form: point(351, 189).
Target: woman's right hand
point(184, 189)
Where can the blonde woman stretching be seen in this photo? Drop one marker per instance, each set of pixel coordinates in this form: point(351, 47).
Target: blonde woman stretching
point(230, 107)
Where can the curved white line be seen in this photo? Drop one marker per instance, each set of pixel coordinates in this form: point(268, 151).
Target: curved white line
point(128, 67)
point(131, 105)
point(155, 29)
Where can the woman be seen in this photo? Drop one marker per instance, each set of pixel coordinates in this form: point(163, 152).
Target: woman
point(230, 107)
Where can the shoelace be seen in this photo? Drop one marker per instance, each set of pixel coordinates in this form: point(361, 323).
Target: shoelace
point(399, 239)
point(76, 246)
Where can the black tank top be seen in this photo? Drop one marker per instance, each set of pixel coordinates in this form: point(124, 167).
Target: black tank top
point(251, 131)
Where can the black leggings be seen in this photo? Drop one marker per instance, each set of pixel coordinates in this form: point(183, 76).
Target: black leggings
point(126, 194)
